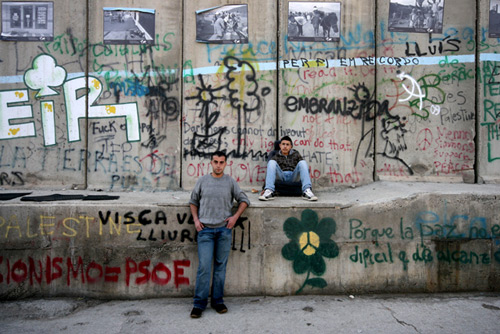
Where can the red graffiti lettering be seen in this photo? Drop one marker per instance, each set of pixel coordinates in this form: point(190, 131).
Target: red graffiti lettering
point(160, 267)
point(179, 271)
point(32, 270)
point(96, 267)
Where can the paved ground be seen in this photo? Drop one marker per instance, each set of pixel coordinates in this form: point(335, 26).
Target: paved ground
point(434, 313)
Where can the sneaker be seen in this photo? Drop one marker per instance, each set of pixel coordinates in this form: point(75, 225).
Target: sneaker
point(308, 195)
point(267, 195)
point(196, 312)
point(220, 308)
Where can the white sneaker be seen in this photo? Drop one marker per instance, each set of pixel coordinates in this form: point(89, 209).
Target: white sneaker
point(267, 195)
point(308, 195)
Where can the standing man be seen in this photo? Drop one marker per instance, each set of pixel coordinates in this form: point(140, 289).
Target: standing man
point(316, 21)
point(211, 203)
point(434, 5)
point(287, 165)
point(219, 27)
point(301, 20)
point(413, 18)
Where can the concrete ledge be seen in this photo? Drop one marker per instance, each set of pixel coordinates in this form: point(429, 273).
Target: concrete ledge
point(391, 237)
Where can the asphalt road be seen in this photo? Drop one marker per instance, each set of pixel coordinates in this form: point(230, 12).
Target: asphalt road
point(429, 313)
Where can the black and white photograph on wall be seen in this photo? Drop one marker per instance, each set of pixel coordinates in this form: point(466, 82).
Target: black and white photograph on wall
point(314, 21)
point(420, 16)
point(222, 25)
point(128, 25)
point(27, 21)
point(494, 29)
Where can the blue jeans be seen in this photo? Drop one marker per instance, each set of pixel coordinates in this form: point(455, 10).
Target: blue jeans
point(214, 244)
point(274, 171)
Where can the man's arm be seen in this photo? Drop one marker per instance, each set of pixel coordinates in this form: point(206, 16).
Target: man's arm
point(243, 201)
point(197, 223)
point(231, 221)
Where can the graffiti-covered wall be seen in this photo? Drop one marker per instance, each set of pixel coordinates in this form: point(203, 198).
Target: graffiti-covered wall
point(137, 97)
point(94, 107)
point(388, 238)
point(488, 93)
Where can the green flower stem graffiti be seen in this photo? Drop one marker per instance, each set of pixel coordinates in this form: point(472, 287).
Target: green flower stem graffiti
point(309, 243)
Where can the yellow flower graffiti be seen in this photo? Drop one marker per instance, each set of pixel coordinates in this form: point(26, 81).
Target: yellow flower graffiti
point(309, 243)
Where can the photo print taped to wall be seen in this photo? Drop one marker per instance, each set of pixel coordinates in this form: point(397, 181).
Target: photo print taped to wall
point(314, 21)
point(128, 25)
point(27, 21)
point(494, 29)
point(222, 25)
point(421, 16)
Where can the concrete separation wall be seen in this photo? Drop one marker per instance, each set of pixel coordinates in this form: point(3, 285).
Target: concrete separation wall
point(378, 99)
point(385, 237)
point(432, 137)
point(142, 150)
point(230, 95)
point(126, 100)
point(489, 96)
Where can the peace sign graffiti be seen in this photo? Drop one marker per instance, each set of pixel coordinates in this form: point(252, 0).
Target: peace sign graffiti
point(424, 139)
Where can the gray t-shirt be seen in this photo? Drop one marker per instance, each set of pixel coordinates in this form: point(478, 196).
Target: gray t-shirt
point(214, 198)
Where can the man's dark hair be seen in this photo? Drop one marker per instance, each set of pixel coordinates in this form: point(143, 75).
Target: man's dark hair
point(287, 138)
point(219, 154)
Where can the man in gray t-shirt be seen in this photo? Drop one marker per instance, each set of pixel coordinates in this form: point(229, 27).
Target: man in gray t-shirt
point(211, 203)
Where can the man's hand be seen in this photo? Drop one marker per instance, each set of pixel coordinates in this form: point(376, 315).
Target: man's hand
point(194, 212)
point(231, 221)
point(199, 226)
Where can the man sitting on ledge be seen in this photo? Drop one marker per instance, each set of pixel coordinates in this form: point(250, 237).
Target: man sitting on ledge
point(287, 165)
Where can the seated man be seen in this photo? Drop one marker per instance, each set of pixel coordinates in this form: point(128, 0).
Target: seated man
point(287, 165)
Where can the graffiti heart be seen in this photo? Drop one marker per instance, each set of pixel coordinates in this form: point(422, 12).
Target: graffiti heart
point(13, 132)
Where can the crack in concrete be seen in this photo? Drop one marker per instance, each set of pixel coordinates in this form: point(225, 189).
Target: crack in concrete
point(491, 307)
point(401, 322)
